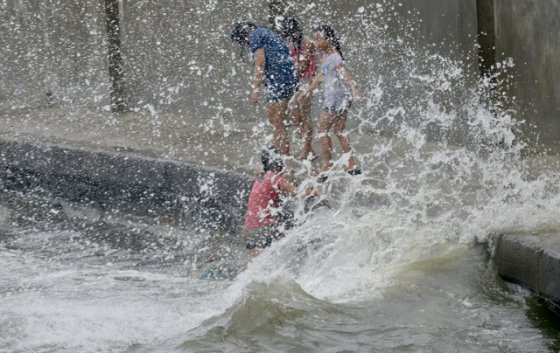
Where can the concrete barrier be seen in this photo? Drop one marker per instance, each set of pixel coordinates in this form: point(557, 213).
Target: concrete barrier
point(121, 183)
point(53, 53)
point(532, 261)
point(527, 31)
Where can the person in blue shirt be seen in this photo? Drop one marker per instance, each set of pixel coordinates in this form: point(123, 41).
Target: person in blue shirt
point(274, 66)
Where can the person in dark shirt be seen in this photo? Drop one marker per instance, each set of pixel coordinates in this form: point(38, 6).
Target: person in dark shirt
point(274, 66)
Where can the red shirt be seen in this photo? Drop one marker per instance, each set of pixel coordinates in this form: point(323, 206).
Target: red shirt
point(264, 198)
point(310, 68)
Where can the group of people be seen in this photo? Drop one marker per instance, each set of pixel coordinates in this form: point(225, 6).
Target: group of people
point(285, 60)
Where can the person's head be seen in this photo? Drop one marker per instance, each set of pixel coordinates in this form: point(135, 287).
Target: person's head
point(291, 30)
point(272, 160)
point(325, 38)
point(290, 27)
point(241, 31)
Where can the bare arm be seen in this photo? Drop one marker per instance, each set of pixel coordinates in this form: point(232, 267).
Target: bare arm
point(358, 96)
point(291, 189)
point(258, 74)
point(313, 86)
point(288, 188)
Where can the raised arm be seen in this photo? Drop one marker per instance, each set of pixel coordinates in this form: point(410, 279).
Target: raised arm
point(258, 74)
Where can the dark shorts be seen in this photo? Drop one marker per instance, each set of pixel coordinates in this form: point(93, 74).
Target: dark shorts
point(262, 237)
point(280, 92)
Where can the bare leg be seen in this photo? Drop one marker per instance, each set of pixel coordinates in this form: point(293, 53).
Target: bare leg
point(326, 120)
point(296, 114)
point(340, 132)
point(301, 116)
point(277, 114)
point(306, 128)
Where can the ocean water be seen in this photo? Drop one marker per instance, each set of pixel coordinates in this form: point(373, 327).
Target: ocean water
point(399, 262)
point(344, 281)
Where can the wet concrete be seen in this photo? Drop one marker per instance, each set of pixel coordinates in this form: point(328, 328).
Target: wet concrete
point(170, 167)
point(532, 261)
point(117, 184)
point(526, 34)
point(118, 167)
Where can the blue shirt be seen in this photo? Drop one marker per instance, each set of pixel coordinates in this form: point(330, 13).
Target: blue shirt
point(279, 67)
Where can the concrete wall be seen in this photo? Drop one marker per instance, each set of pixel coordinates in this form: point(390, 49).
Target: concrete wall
point(527, 31)
point(179, 57)
point(119, 184)
point(532, 261)
point(448, 28)
point(52, 52)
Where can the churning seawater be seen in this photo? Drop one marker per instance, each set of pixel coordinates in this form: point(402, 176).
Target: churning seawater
point(400, 262)
point(358, 279)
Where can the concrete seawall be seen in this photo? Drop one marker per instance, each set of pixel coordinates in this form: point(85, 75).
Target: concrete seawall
point(118, 183)
point(527, 32)
point(532, 261)
point(183, 194)
point(57, 53)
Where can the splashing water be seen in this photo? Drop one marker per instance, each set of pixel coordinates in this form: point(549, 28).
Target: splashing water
point(441, 166)
point(444, 168)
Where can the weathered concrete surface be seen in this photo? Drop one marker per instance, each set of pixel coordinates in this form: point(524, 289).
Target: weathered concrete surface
point(532, 261)
point(448, 28)
point(178, 58)
point(527, 31)
point(53, 51)
point(127, 184)
point(486, 35)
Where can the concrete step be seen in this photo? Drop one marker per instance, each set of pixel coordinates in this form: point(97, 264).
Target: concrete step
point(531, 260)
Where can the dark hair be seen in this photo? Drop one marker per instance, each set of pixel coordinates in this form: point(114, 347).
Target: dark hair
point(272, 160)
point(241, 31)
point(328, 33)
point(291, 28)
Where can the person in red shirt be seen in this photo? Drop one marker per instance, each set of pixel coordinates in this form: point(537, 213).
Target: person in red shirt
point(264, 219)
point(302, 50)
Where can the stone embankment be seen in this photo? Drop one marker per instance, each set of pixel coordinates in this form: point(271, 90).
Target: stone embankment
point(532, 261)
point(117, 184)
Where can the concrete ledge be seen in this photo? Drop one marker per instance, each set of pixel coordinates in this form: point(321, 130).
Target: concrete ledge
point(125, 183)
point(532, 261)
